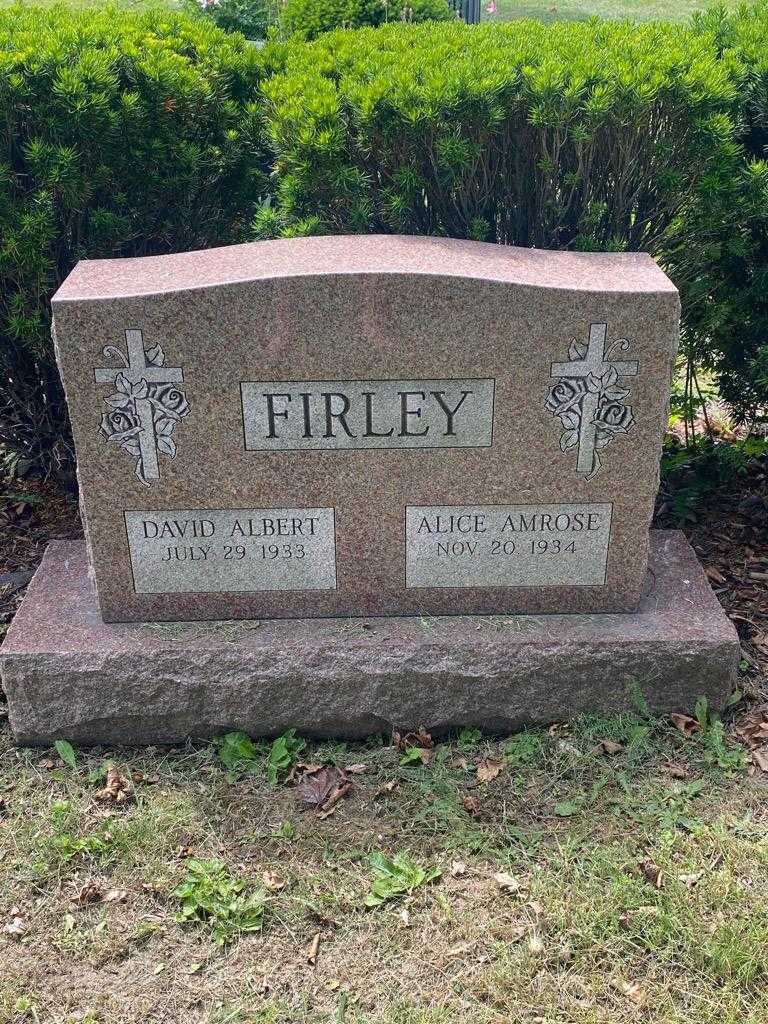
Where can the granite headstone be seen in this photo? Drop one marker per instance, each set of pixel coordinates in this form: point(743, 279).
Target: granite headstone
point(367, 426)
point(390, 429)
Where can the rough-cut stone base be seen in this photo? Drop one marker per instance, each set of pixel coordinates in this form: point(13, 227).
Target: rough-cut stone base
point(68, 674)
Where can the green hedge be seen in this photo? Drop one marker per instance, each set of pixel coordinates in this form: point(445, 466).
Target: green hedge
point(120, 135)
point(578, 135)
point(126, 134)
point(718, 252)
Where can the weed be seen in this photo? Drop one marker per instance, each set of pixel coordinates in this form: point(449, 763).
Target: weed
point(330, 752)
point(567, 808)
point(701, 711)
point(469, 738)
point(412, 755)
point(239, 755)
point(628, 728)
point(211, 895)
point(282, 754)
point(97, 776)
point(639, 703)
point(663, 811)
point(396, 877)
point(719, 751)
point(523, 749)
point(66, 753)
point(96, 846)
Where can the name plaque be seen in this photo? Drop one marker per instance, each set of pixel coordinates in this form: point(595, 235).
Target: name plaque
point(349, 415)
point(232, 550)
point(507, 545)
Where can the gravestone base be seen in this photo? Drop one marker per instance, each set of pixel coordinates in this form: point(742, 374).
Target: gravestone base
point(67, 674)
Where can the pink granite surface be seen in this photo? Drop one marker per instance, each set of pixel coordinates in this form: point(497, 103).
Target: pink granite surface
point(354, 255)
point(66, 673)
point(367, 308)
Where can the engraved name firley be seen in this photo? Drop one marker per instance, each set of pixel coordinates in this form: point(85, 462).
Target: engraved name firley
point(323, 415)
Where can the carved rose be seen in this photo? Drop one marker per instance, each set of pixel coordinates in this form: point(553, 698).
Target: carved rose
point(614, 416)
point(119, 423)
point(169, 399)
point(168, 405)
point(597, 394)
point(564, 394)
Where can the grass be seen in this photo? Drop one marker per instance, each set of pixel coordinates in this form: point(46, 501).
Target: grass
point(128, 5)
point(581, 10)
point(575, 886)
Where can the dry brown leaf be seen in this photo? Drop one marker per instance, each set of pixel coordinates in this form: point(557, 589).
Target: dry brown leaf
point(356, 769)
point(115, 896)
point(714, 574)
point(506, 882)
point(385, 788)
point(536, 907)
point(460, 949)
point(690, 880)
point(753, 729)
point(610, 747)
point(299, 770)
point(458, 867)
point(635, 991)
point(488, 770)
point(323, 788)
point(559, 729)
point(273, 881)
point(760, 758)
point(685, 724)
point(314, 947)
point(117, 789)
point(471, 805)
point(423, 738)
point(91, 892)
point(338, 794)
point(676, 770)
point(652, 873)
point(420, 738)
point(15, 927)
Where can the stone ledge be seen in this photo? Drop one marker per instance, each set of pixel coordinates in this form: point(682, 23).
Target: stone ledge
point(67, 674)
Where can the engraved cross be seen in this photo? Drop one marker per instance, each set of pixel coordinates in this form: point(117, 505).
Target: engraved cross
point(595, 363)
point(137, 370)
